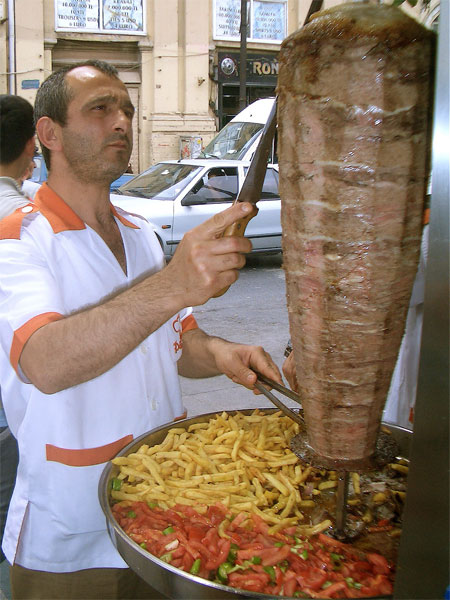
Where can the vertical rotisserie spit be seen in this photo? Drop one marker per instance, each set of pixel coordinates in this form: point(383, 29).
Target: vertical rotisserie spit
point(353, 111)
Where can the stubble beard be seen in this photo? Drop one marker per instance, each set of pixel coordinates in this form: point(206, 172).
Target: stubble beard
point(91, 165)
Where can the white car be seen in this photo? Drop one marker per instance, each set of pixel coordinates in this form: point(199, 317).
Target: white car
point(175, 196)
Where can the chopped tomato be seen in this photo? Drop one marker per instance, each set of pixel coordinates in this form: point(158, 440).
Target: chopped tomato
point(381, 565)
point(241, 553)
point(334, 588)
point(313, 578)
point(274, 555)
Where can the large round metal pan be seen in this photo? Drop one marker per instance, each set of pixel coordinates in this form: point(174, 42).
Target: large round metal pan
point(170, 581)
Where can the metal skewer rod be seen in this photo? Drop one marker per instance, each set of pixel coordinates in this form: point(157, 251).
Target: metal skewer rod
point(341, 505)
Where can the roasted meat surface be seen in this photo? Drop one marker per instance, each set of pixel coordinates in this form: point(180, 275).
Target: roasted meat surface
point(354, 95)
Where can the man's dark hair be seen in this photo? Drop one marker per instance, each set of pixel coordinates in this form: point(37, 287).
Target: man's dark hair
point(16, 127)
point(54, 95)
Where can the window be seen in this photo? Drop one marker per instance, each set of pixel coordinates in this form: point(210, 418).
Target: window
point(270, 185)
point(219, 184)
point(266, 20)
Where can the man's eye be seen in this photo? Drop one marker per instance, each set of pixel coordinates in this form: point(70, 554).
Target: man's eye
point(100, 107)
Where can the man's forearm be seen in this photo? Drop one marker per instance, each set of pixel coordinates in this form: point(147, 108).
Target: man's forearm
point(84, 345)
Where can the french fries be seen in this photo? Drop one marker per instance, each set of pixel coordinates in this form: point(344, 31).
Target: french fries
point(242, 461)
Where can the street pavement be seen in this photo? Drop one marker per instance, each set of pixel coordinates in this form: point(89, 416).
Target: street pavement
point(252, 311)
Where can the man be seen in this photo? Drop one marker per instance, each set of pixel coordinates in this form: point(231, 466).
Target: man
point(17, 139)
point(17, 143)
point(92, 344)
point(29, 187)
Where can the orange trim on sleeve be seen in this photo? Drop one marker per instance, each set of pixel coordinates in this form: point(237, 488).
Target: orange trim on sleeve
point(426, 216)
point(181, 417)
point(10, 226)
point(23, 334)
point(189, 323)
point(86, 456)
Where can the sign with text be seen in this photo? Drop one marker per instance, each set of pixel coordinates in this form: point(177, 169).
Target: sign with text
point(261, 68)
point(100, 16)
point(266, 20)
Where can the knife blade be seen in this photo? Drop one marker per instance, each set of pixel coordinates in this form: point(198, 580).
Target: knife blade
point(254, 180)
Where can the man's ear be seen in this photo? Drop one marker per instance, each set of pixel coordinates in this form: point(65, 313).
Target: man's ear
point(49, 133)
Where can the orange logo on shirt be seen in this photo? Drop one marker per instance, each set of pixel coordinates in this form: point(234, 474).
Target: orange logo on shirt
point(178, 328)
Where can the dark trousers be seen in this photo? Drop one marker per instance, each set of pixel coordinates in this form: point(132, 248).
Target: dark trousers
point(89, 584)
point(9, 459)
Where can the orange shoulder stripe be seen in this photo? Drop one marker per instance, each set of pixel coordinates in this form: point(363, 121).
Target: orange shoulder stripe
point(10, 226)
point(23, 334)
point(189, 323)
point(87, 456)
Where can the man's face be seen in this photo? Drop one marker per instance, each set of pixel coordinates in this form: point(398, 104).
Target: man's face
point(97, 138)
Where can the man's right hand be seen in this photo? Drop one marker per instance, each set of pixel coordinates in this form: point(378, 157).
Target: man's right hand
point(205, 262)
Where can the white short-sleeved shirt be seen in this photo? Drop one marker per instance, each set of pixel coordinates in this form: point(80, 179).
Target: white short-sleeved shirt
point(52, 264)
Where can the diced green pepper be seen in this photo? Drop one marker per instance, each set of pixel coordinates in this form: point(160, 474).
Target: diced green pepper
point(168, 530)
point(223, 570)
point(143, 545)
point(327, 584)
point(271, 571)
point(278, 544)
point(167, 557)
point(116, 484)
point(304, 554)
point(352, 583)
point(152, 504)
point(131, 514)
point(256, 560)
point(196, 566)
point(337, 557)
point(232, 554)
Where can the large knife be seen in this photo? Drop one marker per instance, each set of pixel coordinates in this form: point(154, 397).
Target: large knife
point(254, 180)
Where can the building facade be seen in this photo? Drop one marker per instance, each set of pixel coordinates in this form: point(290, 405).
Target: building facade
point(180, 59)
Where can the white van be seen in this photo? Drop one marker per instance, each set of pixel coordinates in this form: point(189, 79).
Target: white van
point(239, 138)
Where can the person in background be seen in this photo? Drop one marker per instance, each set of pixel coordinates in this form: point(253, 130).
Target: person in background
point(28, 187)
point(94, 343)
point(17, 143)
point(17, 137)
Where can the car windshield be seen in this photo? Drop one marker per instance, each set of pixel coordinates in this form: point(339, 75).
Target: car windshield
point(232, 141)
point(163, 181)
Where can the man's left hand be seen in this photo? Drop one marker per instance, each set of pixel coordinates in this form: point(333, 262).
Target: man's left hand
point(237, 362)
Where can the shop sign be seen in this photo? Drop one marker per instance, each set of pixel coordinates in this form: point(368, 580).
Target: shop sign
point(262, 68)
point(30, 84)
point(100, 16)
point(266, 20)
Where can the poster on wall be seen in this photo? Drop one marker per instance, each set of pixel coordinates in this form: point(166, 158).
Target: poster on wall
point(266, 20)
point(227, 19)
point(100, 16)
point(269, 21)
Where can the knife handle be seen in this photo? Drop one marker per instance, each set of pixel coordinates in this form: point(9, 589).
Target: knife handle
point(238, 229)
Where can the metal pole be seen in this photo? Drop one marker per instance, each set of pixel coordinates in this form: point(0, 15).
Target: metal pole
point(12, 46)
point(243, 58)
point(423, 564)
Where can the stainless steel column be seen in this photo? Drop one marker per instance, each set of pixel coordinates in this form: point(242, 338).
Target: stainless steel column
point(423, 565)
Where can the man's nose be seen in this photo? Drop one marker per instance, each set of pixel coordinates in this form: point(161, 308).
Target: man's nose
point(122, 121)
